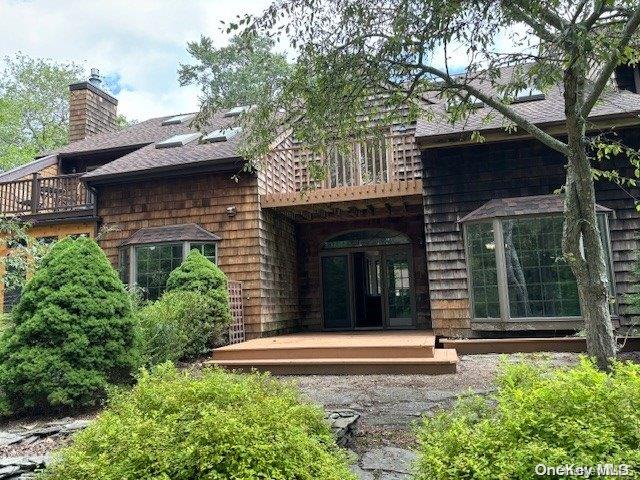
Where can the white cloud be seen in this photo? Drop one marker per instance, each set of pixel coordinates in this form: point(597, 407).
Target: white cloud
point(141, 41)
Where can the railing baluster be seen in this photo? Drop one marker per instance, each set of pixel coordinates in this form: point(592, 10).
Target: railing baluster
point(45, 195)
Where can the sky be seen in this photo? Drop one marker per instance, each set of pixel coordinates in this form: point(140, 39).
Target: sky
point(138, 45)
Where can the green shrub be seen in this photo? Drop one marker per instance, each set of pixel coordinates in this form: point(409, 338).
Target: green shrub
point(180, 326)
point(214, 425)
point(72, 332)
point(197, 274)
point(579, 416)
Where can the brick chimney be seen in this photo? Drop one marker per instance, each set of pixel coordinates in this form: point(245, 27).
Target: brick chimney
point(91, 109)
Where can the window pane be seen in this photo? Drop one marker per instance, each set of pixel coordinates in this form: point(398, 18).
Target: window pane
point(206, 249)
point(603, 227)
point(154, 264)
point(540, 281)
point(398, 288)
point(123, 265)
point(482, 269)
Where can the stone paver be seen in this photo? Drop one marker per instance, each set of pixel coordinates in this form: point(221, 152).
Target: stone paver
point(390, 459)
point(391, 405)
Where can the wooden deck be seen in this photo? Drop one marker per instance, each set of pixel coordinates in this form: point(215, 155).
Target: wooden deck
point(409, 352)
point(478, 346)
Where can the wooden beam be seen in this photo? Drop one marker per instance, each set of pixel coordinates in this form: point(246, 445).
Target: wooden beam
point(399, 188)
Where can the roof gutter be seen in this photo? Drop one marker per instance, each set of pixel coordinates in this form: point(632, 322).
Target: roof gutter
point(208, 166)
point(555, 128)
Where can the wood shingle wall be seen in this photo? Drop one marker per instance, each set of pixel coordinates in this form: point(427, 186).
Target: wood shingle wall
point(458, 180)
point(201, 199)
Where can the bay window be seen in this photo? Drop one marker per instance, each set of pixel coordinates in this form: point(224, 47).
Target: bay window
point(148, 257)
point(515, 265)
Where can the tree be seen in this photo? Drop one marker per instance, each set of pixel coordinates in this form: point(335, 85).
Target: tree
point(383, 58)
point(71, 333)
point(242, 73)
point(34, 107)
point(23, 252)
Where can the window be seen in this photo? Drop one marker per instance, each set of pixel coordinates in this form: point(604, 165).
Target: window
point(627, 77)
point(539, 280)
point(15, 273)
point(482, 266)
point(221, 135)
point(209, 250)
point(519, 261)
point(154, 263)
point(179, 119)
point(366, 238)
point(123, 265)
point(178, 140)
point(148, 266)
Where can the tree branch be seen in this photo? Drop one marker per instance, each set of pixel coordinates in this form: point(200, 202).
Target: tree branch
point(509, 113)
point(549, 16)
point(629, 29)
point(539, 28)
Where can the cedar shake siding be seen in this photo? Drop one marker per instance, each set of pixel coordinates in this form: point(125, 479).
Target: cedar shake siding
point(457, 180)
point(278, 273)
point(311, 237)
point(249, 251)
point(91, 111)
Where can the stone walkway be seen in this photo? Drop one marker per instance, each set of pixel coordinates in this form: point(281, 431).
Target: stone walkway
point(390, 406)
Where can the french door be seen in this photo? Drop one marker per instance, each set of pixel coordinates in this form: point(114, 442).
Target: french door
point(365, 289)
point(336, 292)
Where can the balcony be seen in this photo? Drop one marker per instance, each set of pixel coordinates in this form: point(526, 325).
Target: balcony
point(63, 196)
point(372, 174)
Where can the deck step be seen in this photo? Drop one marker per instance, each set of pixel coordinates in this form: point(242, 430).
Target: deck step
point(443, 361)
point(332, 345)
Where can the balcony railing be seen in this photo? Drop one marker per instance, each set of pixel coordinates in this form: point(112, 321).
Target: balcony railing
point(42, 195)
point(394, 158)
point(368, 169)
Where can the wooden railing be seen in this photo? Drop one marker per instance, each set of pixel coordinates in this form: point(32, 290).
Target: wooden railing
point(393, 158)
point(38, 195)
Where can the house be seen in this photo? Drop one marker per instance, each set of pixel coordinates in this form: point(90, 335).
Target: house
point(423, 229)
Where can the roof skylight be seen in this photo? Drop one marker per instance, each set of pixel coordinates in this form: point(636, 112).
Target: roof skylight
point(236, 111)
point(221, 135)
point(178, 140)
point(177, 120)
point(530, 92)
point(471, 101)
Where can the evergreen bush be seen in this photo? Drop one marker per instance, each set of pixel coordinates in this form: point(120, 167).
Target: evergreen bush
point(197, 274)
point(579, 416)
point(210, 425)
point(72, 332)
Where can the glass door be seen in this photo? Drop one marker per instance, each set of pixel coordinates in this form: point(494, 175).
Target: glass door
point(336, 292)
point(398, 284)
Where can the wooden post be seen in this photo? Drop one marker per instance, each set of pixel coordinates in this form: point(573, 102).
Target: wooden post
point(35, 193)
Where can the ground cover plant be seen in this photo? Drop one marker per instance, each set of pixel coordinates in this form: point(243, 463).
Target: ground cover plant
point(209, 425)
point(579, 416)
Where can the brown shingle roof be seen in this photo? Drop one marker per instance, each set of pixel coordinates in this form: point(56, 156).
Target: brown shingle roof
point(187, 232)
point(149, 158)
point(548, 110)
point(520, 206)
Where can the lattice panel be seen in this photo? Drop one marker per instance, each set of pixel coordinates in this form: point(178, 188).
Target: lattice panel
point(236, 329)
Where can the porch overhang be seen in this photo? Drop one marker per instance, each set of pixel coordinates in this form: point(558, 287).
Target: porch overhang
point(398, 198)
